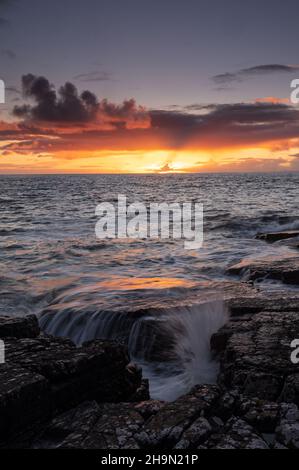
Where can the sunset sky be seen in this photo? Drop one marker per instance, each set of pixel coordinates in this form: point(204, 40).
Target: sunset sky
point(136, 86)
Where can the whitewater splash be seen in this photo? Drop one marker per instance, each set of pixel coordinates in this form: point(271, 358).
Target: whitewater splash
point(172, 345)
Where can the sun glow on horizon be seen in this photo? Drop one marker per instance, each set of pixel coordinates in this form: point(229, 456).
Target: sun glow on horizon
point(160, 161)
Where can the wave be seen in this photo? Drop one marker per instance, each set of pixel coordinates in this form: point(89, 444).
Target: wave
point(250, 226)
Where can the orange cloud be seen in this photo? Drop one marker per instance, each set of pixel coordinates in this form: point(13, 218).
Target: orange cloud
point(273, 100)
point(66, 131)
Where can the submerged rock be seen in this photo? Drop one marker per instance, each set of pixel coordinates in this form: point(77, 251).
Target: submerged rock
point(285, 270)
point(275, 236)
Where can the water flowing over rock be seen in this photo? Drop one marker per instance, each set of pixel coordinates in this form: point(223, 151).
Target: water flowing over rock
point(56, 395)
point(170, 342)
point(285, 270)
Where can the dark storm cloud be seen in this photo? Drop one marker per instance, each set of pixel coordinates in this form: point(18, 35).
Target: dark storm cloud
point(66, 105)
point(251, 114)
point(94, 76)
point(230, 123)
point(127, 108)
point(70, 120)
point(258, 70)
point(174, 120)
point(226, 115)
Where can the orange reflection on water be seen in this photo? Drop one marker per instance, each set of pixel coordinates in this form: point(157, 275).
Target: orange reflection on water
point(133, 283)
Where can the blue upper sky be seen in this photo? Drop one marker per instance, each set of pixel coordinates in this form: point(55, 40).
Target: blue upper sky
point(161, 52)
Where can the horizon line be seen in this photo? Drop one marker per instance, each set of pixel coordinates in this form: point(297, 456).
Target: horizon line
point(152, 173)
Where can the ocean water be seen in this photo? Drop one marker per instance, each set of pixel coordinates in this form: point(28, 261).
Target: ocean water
point(162, 300)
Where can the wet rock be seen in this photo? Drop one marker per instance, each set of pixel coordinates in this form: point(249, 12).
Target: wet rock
point(24, 400)
point(227, 404)
point(287, 433)
point(219, 340)
point(275, 236)
point(117, 428)
point(93, 426)
point(244, 307)
point(19, 327)
point(290, 392)
point(195, 435)
point(149, 408)
point(88, 395)
point(254, 424)
point(43, 376)
point(165, 428)
point(260, 414)
point(97, 370)
point(237, 434)
point(256, 359)
point(285, 270)
point(279, 446)
point(73, 425)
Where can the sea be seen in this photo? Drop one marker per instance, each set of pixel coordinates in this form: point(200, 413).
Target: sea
point(162, 300)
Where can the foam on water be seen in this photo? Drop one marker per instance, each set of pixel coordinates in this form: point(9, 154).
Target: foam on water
point(188, 359)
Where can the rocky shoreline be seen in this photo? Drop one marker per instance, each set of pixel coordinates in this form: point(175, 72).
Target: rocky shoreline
point(56, 395)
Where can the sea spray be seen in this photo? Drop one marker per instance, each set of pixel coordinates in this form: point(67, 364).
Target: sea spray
point(172, 345)
point(174, 352)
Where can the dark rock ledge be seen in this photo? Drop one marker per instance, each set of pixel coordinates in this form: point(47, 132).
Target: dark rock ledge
point(276, 236)
point(54, 395)
point(44, 376)
point(284, 269)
